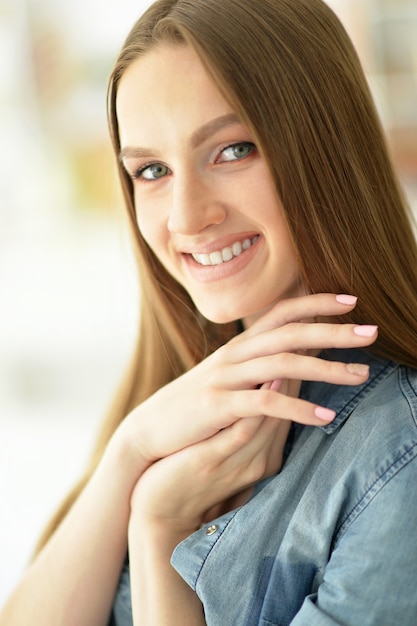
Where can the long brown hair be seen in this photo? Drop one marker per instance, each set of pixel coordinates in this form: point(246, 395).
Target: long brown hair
point(290, 71)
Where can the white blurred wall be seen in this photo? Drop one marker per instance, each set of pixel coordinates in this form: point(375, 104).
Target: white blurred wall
point(68, 297)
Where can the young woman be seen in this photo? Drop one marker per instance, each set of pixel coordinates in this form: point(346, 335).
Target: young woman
point(260, 465)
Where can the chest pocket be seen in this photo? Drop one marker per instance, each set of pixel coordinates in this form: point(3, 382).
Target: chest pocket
point(280, 592)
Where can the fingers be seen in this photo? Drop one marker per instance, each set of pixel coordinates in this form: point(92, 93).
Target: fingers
point(293, 324)
point(279, 406)
point(280, 346)
point(273, 385)
point(181, 487)
point(287, 353)
point(304, 337)
point(303, 308)
point(297, 367)
point(241, 454)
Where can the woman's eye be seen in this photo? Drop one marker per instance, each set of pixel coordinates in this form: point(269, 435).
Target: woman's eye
point(237, 151)
point(155, 171)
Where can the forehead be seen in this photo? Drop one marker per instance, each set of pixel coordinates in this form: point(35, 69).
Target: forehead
point(168, 86)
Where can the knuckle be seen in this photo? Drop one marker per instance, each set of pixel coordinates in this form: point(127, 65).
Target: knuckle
point(243, 432)
point(267, 400)
point(285, 359)
point(222, 356)
point(217, 357)
point(209, 399)
point(287, 331)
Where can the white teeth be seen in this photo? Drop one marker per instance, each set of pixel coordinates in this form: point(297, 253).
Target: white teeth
point(227, 254)
point(204, 259)
point(216, 258)
point(237, 248)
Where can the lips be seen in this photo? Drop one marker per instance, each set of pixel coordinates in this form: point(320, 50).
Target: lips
point(225, 254)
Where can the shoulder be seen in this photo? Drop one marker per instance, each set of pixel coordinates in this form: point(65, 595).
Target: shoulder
point(381, 433)
point(387, 412)
point(377, 419)
point(398, 387)
point(384, 406)
point(371, 443)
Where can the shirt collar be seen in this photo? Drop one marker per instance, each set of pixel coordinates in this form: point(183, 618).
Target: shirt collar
point(344, 399)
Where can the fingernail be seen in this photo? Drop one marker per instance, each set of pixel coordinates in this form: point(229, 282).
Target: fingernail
point(327, 415)
point(365, 331)
point(360, 369)
point(344, 298)
point(276, 384)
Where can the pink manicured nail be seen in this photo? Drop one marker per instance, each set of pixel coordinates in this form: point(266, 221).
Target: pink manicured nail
point(365, 331)
point(272, 385)
point(276, 384)
point(344, 298)
point(327, 415)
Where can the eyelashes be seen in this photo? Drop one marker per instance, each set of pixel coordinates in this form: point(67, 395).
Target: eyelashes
point(155, 170)
point(151, 172)
point(236, 151)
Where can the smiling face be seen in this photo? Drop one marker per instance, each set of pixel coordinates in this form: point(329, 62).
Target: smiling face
point(204, 197)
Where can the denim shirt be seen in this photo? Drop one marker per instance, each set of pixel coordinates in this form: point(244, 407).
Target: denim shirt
point(332, 538)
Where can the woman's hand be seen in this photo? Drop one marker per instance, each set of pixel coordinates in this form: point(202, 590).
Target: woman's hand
point(220, 428)
point(229, 384)
point(170, 501)
point(176, 492)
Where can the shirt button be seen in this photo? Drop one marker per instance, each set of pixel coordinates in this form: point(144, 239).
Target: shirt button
point(212, 529)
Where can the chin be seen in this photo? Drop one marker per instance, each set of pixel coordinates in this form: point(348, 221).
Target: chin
point(232, 314)
point(218, 316)
point(248, 314)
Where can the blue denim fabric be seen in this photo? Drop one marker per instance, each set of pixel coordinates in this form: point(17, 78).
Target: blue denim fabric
point(332, 539)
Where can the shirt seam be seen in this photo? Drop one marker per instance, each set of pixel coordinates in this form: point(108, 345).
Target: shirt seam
point(404, 379)
point(197, 577)
point(377, 486)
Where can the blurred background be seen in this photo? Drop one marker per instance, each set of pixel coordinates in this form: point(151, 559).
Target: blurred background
point(68, 293)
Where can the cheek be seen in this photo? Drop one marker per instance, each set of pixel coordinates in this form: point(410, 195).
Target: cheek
point(153, 232)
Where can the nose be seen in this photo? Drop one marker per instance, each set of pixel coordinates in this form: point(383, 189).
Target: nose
point(194, 206)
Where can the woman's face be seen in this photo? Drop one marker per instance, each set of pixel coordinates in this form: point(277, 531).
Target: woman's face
point(204, 198)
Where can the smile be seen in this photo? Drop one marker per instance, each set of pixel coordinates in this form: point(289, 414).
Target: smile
point(226, 254)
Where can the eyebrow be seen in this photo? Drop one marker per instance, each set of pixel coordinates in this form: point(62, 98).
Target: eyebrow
point(197, 137)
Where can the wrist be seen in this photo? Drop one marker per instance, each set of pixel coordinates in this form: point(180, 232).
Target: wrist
point(162, 532)
point(124, 460)
point(159, 594)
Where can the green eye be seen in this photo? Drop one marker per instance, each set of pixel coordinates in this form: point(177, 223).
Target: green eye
point(237, 151)
point(154, 171)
